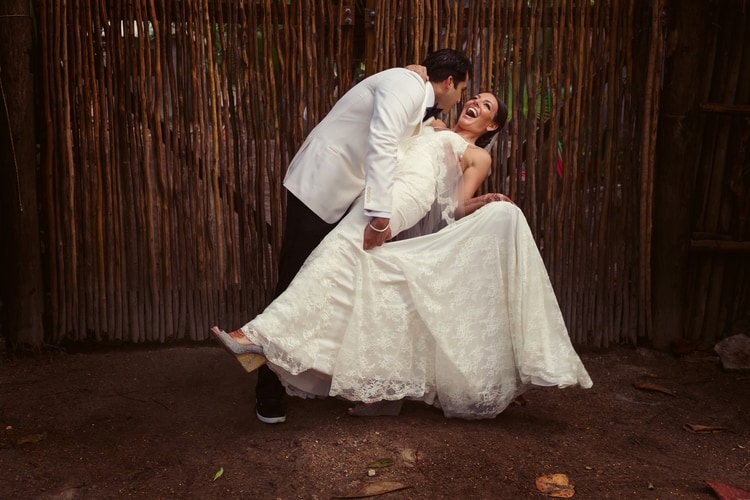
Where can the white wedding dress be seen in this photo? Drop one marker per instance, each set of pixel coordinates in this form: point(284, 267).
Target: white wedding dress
point(464, 318)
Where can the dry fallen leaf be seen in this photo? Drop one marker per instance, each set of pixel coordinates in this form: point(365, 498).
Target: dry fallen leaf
point(726, 492)
point(32, 438)
point(703, 429)
point(380, 463)
point(650, 386)
point(373, 489)
point(555, 485)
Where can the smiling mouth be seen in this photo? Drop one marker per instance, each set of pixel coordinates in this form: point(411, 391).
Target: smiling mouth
point(472, 112)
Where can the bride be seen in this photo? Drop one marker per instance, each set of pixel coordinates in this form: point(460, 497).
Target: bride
point(463, 318)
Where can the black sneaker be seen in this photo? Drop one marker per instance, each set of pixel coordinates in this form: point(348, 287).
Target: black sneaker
point(270, 411)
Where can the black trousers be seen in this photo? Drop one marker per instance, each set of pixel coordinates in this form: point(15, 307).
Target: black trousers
point(303, 232)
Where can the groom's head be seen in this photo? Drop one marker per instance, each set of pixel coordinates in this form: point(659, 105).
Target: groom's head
point(449, 72)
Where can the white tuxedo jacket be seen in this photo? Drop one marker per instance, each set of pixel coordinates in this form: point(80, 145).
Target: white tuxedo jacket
point(353, 149)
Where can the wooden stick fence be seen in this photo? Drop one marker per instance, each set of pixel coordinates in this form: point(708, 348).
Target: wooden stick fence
point(170, 124)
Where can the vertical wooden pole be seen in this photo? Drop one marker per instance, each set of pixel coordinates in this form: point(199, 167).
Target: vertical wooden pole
point(371, 14)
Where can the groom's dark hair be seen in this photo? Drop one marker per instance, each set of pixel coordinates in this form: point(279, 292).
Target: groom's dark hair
point(447, 62)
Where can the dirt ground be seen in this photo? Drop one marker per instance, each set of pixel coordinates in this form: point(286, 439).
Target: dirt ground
point(178, 422)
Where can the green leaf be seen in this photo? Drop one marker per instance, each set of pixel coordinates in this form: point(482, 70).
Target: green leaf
point(219, 473)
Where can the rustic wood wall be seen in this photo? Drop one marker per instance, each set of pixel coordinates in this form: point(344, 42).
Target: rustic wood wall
point(21, 283)
point(701, 237)
point(169, 125)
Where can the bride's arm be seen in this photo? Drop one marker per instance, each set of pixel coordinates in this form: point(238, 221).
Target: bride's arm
point(476, 163)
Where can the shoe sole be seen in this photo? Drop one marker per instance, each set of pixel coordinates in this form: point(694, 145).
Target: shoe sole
point(270, 420)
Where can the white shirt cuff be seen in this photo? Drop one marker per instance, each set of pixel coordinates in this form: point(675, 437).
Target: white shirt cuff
point(372, 213)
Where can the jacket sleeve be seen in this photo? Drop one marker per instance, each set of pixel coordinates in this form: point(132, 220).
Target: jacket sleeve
point(397, 110)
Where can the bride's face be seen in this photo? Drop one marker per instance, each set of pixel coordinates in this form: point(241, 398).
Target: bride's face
point(478, 113)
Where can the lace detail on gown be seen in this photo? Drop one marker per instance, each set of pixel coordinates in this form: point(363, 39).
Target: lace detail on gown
point(464, 318)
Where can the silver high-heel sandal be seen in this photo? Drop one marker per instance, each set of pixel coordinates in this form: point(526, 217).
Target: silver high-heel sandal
point(250, 356)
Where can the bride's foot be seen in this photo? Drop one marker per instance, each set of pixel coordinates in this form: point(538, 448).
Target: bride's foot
point(239, 337)
point(519, 401)
point(236, 343)
point(378, 409)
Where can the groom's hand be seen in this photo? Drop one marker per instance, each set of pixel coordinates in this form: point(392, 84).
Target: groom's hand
point(420, 70)
point(377, 232)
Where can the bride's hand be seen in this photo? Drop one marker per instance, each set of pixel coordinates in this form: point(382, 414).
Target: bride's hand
point(490, 197)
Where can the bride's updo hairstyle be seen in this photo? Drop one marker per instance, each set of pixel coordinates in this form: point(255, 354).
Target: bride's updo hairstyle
point(500, 118)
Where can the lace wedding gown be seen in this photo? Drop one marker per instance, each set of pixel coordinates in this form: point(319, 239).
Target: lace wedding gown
point(464, 318)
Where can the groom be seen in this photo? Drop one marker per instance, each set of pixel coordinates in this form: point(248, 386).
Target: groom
point(351, 151)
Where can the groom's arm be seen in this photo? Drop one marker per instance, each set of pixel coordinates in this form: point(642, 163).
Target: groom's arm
point(397, 110)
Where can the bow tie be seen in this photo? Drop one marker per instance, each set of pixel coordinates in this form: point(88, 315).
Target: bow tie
point(432, 112)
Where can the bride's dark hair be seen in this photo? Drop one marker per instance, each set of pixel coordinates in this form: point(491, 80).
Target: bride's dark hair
point(500, 118)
